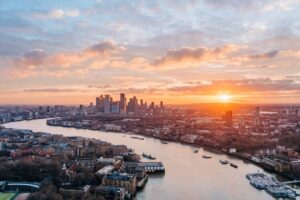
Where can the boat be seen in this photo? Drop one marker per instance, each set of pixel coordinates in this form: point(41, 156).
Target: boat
point(207, 157)
point(164, 142)
point(258, 185)
point(224, 162)
point(271, 185)
point(233, 165)
point(138, 138)
point(148, 156)
point(196, 151)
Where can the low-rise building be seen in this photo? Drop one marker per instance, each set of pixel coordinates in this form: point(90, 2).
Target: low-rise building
point(127, 181)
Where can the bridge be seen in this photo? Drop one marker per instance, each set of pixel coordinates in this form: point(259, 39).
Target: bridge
point(291, 182)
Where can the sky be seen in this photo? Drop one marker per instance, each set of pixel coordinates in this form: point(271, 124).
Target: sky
point(178, 51)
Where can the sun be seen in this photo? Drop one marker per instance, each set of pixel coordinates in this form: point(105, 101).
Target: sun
point(224, 97)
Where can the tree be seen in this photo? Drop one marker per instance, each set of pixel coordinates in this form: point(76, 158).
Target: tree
point(47, 192)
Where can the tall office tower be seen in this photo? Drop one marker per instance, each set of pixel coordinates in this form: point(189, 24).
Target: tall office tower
point(100, 103)
point(141, 102)
point(130, 106)
point(228, 118)
point(161, 104)
point(101, 108)
point(241, 123)
point(257, 111)
point(107, 104)
point(297, 112)
point(97, 102)
point(257, 118)
point(115, 107)
point(256, 121)
point(122, 103)
point(151, 106)
point(135, 105)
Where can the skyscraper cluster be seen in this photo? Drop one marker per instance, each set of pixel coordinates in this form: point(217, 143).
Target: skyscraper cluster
point(106, 104)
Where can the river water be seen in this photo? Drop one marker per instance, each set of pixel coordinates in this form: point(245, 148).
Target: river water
point(188, 176)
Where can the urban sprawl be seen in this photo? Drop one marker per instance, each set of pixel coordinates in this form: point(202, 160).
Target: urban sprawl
point(41, 163)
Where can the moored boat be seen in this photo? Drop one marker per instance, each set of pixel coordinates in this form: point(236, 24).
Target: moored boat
point(224, 162)
point(271, 185)
point(233, 165)
point(148, 156)
point(207, 157)
point(138, 138)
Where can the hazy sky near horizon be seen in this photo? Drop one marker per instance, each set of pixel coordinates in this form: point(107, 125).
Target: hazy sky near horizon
point(179, 51)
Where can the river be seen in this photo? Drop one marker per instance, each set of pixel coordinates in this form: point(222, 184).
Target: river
point(188, 175)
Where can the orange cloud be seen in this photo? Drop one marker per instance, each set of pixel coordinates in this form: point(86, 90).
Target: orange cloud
point(39, 57)
point(38, 60)
point(189, 56)
point(270, 54)
point(243, 86)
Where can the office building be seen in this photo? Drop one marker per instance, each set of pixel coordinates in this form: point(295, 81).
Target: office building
point(257, 111)
point(228, 118)
point(107, 101)
point(122, 104)
point(115, 107)
point(127, 181)
point(100, 103)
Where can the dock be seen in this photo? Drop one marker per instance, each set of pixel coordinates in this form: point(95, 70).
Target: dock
point(153, 167)
point(149, 167)
point(141, 184)
point(271, 185)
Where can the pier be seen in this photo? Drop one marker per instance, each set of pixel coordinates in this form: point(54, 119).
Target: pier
point(271, 185)
point(291, 182)
point(150, 167)
point(153, 167)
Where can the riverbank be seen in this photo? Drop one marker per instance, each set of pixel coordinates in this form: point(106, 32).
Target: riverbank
point(210, 149)
point(188, 176)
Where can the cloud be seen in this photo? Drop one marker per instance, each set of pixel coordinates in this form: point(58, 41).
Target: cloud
point(51, 90)
point(57, 14)
point(104, 48)
point(186, 56)
point(108, 54)
point(270, 54)
point(105, 86)
point(39, 60)
point(136, 90)
point(35, 57)
point(243, 86)
point(72, 13)
point(237, 4)
point(280, 5)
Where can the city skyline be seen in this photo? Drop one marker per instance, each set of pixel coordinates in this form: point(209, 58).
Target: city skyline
point(124, 105)
point(180, 52)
